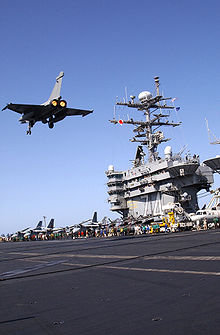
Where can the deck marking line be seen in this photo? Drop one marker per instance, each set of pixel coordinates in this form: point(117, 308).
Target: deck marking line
point(90, 256)
point(29, 269)
point(25, 253)
point(184, 258)
point(163, 270)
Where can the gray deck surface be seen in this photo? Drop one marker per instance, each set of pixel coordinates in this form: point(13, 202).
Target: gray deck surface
point(164, 284)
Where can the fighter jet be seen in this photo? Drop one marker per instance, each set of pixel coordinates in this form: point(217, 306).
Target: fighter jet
point(53, 110)
point(51, 229)
point(83, 226)
point(47, 229)
point(28, 231)
point(91, 223)
point(34, 231)
point(20, 233)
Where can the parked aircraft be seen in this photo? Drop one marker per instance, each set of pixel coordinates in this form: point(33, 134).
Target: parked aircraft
point(36, 230)
point(91, 223)
point(87, 225)
point(211, 212)
point(104, 222)
point(58, 230)
point(20, 233)
point(53, 110)
point(49, 228)
point(208, 214)
point(116, 222)
point(27, 231)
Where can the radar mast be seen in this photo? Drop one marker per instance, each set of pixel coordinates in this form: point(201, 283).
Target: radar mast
point(146, 132)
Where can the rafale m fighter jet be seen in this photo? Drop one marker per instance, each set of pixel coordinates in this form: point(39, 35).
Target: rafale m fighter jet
point(53, 110)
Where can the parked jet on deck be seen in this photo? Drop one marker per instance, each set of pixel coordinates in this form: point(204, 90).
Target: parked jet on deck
point(211, 212)
point(85, 225)
point(28, 231)
point(53, 110)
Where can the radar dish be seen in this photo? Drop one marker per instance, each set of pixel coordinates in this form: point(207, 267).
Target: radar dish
point(144, 96)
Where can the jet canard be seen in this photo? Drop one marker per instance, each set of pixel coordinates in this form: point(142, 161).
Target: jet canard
point(53, 110)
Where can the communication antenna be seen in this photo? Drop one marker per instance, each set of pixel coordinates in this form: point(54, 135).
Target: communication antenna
point(182, 149)
point(114, 115)
point(146, 132)
point(45, 221)
point(211, 135)
point(126, 94)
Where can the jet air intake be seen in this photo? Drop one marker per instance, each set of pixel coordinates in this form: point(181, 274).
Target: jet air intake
point(26, 117)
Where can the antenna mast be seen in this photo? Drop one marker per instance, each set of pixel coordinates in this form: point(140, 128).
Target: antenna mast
point(217, 141)
point(146, 132)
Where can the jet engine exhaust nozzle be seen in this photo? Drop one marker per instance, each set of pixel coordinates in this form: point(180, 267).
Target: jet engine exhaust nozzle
point(63, 103)
point(54, 103)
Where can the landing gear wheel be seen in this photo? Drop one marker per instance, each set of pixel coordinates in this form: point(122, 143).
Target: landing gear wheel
point(30, 125)
point(50, 125)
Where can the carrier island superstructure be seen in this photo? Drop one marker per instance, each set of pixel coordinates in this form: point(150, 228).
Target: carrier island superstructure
point(144, 190)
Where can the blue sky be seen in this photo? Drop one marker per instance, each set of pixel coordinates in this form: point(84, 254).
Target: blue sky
point(102, 46)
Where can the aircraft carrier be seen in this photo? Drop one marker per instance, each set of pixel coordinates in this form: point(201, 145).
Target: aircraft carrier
point(151, 186)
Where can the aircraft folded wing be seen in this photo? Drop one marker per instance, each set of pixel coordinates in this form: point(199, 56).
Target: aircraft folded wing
point(22, 109)
point(75, 111)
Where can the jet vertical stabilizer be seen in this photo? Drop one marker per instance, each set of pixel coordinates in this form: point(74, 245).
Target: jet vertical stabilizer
point(94, 219)
point(55, 94)
point(51, 224)
point(39, 225)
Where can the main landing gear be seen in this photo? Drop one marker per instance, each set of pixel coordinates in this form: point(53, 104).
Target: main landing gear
point(50, 123)
point(30, 125)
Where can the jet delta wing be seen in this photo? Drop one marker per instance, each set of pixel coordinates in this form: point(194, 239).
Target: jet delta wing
point(53, 110)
